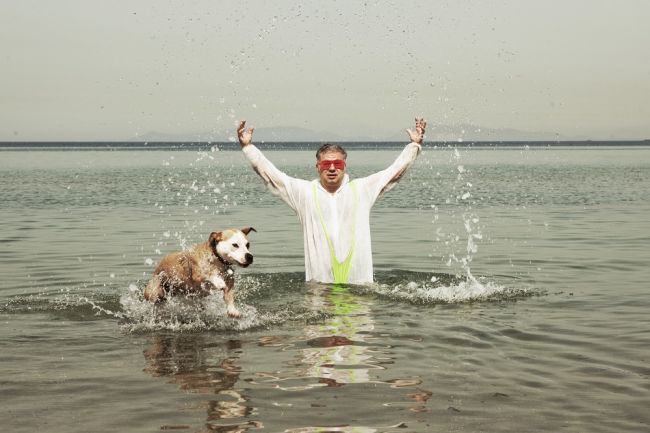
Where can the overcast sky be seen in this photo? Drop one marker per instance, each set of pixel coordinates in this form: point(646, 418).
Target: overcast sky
point(120, 70)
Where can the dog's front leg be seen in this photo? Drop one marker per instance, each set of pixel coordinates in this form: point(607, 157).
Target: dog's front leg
point(229, 299)
point(228, 295)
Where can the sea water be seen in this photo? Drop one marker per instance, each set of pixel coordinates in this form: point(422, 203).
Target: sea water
point(511, 295)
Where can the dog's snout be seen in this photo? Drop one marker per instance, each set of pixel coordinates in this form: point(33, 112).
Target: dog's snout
point(249, 258)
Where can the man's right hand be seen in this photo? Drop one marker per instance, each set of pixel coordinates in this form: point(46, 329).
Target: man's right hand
point(417, 136)
point(245, 135)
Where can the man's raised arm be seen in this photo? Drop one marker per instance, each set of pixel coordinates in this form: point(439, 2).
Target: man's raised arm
point(385, 180)
point(277, 181)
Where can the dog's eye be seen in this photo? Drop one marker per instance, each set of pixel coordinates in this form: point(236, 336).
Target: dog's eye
point(248, 244)
point(235, 245)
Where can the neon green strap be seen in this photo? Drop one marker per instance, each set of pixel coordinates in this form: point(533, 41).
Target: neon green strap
point(340, 270)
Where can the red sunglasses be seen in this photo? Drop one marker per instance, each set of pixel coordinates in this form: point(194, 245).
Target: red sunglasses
point(325, 164)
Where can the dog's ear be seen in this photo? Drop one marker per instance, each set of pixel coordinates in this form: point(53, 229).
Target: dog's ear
point(213, 239)
point(247, 230)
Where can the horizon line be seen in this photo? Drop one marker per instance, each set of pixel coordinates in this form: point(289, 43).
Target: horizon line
point(227, 145)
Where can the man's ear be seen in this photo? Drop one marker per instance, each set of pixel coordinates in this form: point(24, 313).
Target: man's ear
point(247, 230)
point(214, 238)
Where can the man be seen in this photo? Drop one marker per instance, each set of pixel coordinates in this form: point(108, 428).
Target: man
point(334, 210)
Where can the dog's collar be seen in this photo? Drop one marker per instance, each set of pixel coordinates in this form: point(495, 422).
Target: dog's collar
point(213, 247)
point(225, 263)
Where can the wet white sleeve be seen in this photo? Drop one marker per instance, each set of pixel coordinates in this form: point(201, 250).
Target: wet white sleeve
point(278, 182)
point(377, 184)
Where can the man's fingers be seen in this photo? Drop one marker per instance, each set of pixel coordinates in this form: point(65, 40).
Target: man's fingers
point(420, 124)
point(242, 125)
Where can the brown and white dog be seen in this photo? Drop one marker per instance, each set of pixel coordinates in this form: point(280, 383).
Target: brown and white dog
point(203, 268)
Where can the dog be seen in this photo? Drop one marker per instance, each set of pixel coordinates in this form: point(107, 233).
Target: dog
point(203, 268)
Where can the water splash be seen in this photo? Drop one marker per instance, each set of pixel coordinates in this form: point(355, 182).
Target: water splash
point(265, 301)
point(460, 208)
point(183, 315)
point(470, 290)
point(426, 289)
point(191, 194)
point(210, 314)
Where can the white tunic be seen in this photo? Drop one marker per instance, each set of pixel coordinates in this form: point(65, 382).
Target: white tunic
point(337, 210)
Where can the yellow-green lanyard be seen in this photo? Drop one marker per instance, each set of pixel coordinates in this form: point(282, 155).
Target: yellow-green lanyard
point(340, 270)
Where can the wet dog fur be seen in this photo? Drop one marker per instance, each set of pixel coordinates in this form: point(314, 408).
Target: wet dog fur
point(202, 269)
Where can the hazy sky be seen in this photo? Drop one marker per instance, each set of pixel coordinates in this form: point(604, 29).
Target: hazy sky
point(119, 70)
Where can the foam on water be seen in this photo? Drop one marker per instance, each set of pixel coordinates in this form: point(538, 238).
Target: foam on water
point(265, 301)
point(206, 314)
point(182, 315)
point(466, 291)
point(277, 300)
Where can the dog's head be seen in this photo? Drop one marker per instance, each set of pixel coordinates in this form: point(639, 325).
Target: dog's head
point(232, 246)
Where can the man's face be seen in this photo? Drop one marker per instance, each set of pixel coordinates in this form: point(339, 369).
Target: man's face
point(331, 177)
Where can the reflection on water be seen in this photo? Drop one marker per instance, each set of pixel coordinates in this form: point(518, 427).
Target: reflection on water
point(341, 351)
point(336, 354)
point(197, 366)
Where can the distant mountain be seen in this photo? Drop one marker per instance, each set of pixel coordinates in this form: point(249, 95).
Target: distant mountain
point(468, 132)
point(295, 134)
point(270, 134)
point(448, 133)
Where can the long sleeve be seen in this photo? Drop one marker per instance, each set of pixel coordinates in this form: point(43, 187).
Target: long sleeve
point(378, 183)
point(278, 182)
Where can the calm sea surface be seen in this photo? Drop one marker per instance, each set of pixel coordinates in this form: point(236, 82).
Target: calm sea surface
point(512, 295)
